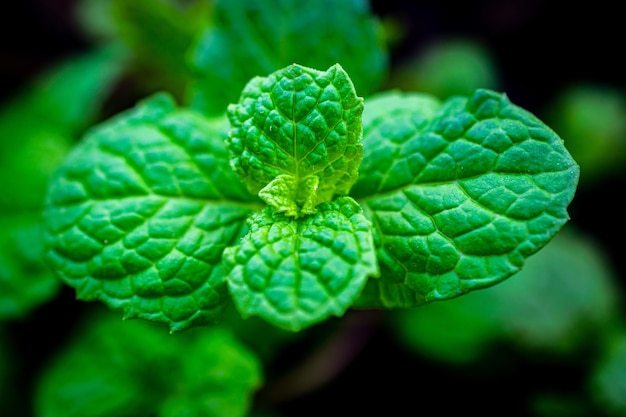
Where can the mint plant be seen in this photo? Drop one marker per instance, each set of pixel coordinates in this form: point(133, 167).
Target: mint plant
point(303, 201)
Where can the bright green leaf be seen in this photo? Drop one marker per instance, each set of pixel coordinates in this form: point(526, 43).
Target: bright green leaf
point(295, 137)
point(297, 272)
point(159, 33)
point(139, 213)
point(252, 38)
point(25, 280)
point(462, 194)
point(113, 368)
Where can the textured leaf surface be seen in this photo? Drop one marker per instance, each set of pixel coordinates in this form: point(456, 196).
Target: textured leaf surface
point(252, 38)
point(297, 272)
point(139, 213)
point(562, 298)
point(461, 194)
point(295, 137)
point(25, 280)
point(114, 368)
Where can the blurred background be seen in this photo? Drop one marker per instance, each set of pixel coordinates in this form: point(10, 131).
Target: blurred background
point(548, 342)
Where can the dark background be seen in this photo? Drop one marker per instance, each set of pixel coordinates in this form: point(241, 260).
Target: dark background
point(539, 47)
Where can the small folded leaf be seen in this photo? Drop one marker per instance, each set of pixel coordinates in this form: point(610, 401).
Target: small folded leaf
point(295, 137)
point(139, 213)
point(252, 38)
point(461, 194)
point(297, 272)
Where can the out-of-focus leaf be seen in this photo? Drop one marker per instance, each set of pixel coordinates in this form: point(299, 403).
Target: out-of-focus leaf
point(459, 193)
point(563, 298)
point(115, 368)
point(591, 119)
point(158, 34)
point(25, 280)
point(38, 126)
point(446, 68)
point(255, 38)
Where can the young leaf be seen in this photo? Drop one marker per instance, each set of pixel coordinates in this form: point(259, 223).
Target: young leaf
point(139, 213)
point(252, 38)
point(297, 272)
point(461, 194)
point(295, 137)
point(112, 368)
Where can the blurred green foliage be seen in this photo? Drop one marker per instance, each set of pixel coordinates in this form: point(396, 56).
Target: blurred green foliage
point(133, 368)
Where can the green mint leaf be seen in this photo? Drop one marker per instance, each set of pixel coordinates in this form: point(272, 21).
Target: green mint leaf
point(138, 214)
point(295, 137)
point(25, 280)
point(251, 38)
point(462, 194)
point(297, 272)
point(112, 368)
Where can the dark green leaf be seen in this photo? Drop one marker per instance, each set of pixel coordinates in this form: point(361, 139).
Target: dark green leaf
point(253, 38)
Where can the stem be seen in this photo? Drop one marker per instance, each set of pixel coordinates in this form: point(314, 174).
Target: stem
point(326, 362)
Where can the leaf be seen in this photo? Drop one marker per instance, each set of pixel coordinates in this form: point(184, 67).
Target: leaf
point(252, 38)
point(38, 126)
point(297, 272)
point(139, 213)
point(25, 280)
point(295, 137)
point(462, 194)
point(114, 368)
